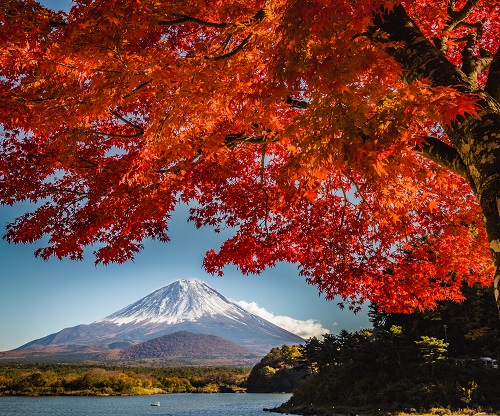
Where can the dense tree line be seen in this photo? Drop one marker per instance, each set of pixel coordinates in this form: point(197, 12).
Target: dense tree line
point(443, 358)
point(469, 327)
point(105, 380)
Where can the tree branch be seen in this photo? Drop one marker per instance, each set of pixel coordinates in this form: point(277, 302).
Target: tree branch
point(472, 65)
point(418, 56)
point(122, 136)
point(451, 7)
point(188, 19)
point(296, 103)
point(420, 59)
point(444, 155)
point(127, 122)
point(455, 19)
point(139, 129)
point(34, 100)
point(458, 16)
point(57, 23)
point(140, 87)
point(232, 140)
point(258, 17)
point(235, 50)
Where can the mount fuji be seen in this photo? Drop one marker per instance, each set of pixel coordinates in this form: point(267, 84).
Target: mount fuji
point(185, 305)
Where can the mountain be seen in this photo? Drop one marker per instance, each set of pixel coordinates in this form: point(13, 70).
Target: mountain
point(185, 305)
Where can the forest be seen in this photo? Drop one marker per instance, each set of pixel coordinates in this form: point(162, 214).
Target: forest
point(85, 380)
point(442, 359)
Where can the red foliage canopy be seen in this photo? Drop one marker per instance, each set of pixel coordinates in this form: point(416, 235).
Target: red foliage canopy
point(294, 121)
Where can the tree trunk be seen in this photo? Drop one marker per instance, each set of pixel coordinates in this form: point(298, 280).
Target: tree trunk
point(476, 139)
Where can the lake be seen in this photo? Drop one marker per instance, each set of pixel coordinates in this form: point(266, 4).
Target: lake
point(170, 405)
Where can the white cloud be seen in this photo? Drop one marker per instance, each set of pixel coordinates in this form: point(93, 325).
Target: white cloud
point(303, 328)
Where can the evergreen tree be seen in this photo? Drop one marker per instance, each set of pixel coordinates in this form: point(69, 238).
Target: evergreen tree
point(432, 350)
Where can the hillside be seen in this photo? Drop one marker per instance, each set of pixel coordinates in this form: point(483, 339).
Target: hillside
point(184, 344)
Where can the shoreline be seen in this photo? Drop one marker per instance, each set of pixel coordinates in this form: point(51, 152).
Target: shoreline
point(331, 410)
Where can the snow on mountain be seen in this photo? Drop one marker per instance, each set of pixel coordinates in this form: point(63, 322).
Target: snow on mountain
point(184, 300)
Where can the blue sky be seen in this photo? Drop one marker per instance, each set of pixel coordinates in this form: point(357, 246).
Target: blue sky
point(41, 297)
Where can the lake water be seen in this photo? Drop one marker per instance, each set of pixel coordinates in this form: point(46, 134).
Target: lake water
point(170, 405)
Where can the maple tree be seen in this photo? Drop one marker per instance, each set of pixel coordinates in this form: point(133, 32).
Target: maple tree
point(358, 139)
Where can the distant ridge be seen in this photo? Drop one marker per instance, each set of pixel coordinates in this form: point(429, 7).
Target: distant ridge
point(185, 305)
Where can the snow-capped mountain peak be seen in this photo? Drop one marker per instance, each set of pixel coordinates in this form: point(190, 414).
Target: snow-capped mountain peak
point(185, 305)
point(183, 300)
